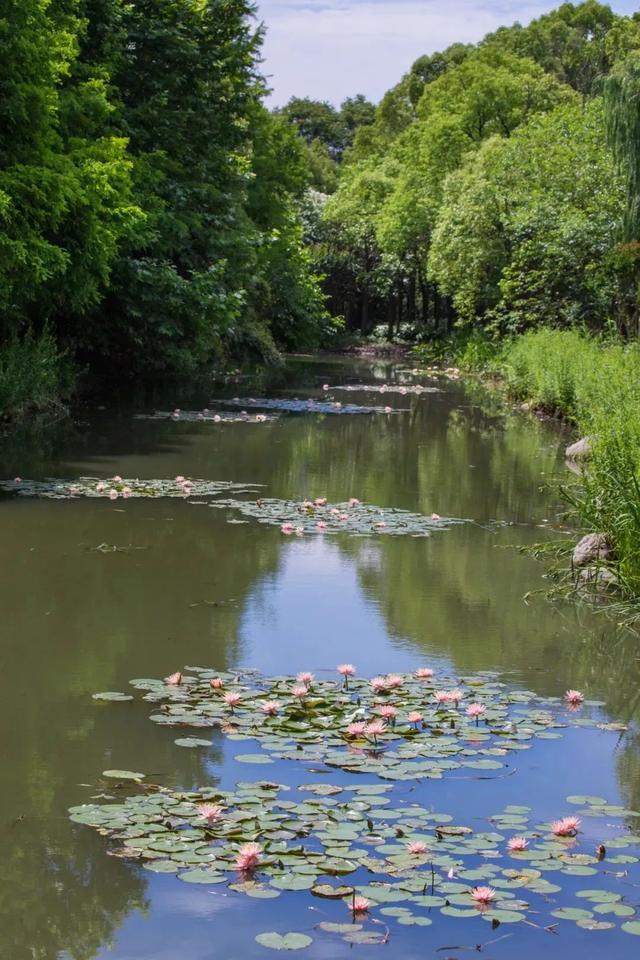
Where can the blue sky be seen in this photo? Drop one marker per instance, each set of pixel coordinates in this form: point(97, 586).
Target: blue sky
point(331, 49)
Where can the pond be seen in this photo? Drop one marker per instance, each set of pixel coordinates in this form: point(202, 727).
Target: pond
point(95, 592)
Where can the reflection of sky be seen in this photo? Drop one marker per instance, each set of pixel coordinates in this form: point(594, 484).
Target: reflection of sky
point(332, 49)
point(314, 614)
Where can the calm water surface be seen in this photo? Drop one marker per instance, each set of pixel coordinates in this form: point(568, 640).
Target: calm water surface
point(189, 587)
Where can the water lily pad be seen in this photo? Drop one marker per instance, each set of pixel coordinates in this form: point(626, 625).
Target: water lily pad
point(192, 742)
point(111, 695)
point(287, 941)
point(631, 926)
point(122, 775)
point(594, 924)
point(253, 758)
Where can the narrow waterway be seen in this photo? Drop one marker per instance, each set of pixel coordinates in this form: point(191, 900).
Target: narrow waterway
point(94, 593)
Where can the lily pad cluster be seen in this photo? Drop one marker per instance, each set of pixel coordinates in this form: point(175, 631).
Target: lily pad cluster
point(105, 488)
point(403, 727)
point(304, 517)
point(207, 416)
point(370, 860)
point(305, 406)
point(402, 389)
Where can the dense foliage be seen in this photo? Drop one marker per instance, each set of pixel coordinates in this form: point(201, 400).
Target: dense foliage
point(148, 201)
point(496, 187)
point(597, 385)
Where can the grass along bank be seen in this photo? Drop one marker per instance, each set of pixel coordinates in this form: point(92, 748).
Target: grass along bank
point(595, 384)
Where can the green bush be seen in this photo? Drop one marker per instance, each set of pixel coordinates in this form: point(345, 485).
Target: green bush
point(33, 376)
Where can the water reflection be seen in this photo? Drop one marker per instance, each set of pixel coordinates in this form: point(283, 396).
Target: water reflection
point(187, 587)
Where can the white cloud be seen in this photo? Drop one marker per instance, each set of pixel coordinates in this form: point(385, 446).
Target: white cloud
point(331, 49)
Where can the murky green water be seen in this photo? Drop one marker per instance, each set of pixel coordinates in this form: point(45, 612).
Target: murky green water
point(185, 586)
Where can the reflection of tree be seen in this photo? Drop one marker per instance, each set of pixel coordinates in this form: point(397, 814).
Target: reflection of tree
point(60, 894)
point(83, 621)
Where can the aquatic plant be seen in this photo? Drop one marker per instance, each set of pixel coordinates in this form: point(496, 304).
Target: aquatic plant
point(349, 843)
point(306, 406)
point(420, 730)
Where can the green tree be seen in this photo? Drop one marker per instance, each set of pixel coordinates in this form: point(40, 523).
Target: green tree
point(528, 225)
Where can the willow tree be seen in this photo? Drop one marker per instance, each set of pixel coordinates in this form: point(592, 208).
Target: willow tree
point(622, 105)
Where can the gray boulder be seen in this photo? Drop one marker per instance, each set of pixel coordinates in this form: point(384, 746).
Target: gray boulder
point(600, 577)
point(591, 548)
point(580, 450)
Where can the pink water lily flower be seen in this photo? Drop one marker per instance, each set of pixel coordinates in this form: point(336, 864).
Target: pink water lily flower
point(17, 479)
point(299, 531)
point(387, 711)
point(354, 502)
point(116, 479)
point(359, 905)
point(417, 848)
point(101, 487)
point(300, 693)
point(380, 524)
point(346, 669)
point(388, 409)
point(374, 728)
point(378, 684)
point(248, 857)
point(325, 386)
point(174, 679)
point(287, 528)
point(483, 895)
point(344, 516)
point(476, 710)
point(308, 504)
point(126, 492)
point(394, 680)
point(113, 494)
point(217, 418)
point(320, 501)
point(424, 673)
point(321, 525)
point(566, 827)
point(306, 678)
point(574, 697)
point(356, 729)
point(232, 699)
point(436, 516)
point(180, 479)
point(441, 696)
point(261, 417)
point(403, 390)
point(209, 812)
point(217, 683)
point(455, 696)
point(415, 717)
point(270, 707)
point(516, 844)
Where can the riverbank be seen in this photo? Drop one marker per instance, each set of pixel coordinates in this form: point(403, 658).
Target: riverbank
point(594, 384)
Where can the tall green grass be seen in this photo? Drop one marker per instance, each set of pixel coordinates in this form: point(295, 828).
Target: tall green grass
point(596, 384)
point(33, 376)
